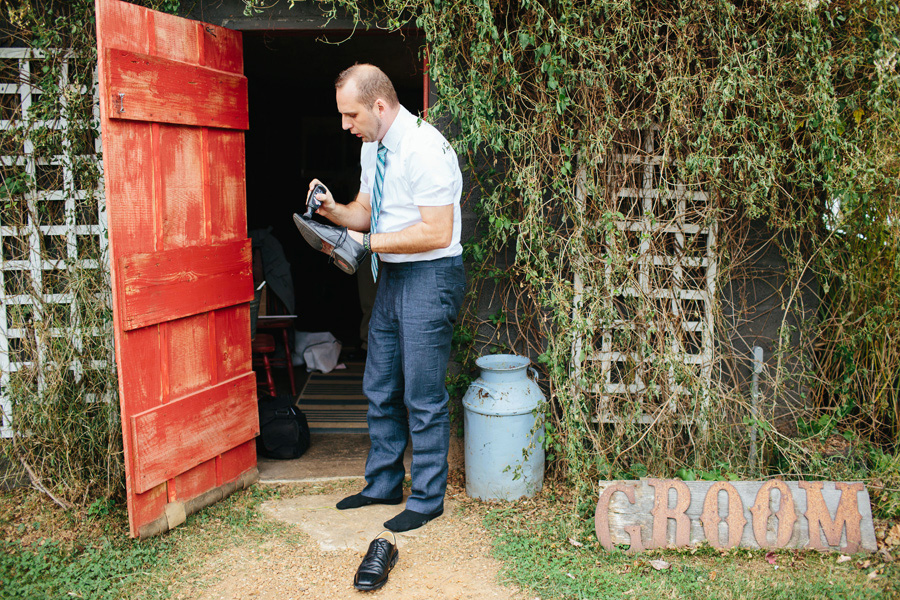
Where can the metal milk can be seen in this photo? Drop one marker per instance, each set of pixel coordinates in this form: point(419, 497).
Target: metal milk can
point(504, 430)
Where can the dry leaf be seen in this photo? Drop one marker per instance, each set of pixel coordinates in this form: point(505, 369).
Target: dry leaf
point(865, 564)
point(843, 558)
point(660, 565)
point(712, 576)
point(873, 574)
point(570, 576)
point(893, 536)
point(770, 558)
point(575, 543)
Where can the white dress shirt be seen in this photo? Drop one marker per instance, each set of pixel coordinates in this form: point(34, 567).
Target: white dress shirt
point(421, 169)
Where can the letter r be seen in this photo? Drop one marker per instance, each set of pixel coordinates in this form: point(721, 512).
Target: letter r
point(662, 513)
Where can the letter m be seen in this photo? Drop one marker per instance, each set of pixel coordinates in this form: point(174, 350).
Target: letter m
point(847, 516)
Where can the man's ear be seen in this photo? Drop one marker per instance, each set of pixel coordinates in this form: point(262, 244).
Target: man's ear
point(379, 107)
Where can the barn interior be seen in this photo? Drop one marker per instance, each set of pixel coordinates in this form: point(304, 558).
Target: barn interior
point(295, 135)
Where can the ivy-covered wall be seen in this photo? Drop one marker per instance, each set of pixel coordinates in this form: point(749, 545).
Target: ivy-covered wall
point(627, 150)
point(641, 167)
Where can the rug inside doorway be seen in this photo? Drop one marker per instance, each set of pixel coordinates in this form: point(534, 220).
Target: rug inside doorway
point(334, 402)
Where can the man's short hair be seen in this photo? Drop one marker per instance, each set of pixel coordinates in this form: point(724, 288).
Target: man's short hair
point(371, 84)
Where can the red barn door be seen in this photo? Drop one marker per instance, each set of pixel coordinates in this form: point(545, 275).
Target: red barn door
point(173, 104)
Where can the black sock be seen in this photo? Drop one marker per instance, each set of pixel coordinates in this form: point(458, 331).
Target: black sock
point(358, 500)
point(410, 519)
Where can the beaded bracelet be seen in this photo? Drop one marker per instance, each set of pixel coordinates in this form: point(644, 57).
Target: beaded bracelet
point(366, 243)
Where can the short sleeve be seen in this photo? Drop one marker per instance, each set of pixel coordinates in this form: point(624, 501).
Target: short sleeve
point(367, 167)
point(435, 179)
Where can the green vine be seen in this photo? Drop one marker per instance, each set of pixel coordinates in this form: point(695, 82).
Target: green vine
point(66, 430)
point(786, 115)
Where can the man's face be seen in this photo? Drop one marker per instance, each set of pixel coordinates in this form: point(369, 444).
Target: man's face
point(362, 121)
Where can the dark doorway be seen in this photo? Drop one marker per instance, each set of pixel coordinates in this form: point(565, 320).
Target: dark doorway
point(295, 135)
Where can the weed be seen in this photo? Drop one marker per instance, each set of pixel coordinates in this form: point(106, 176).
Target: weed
point(556, 555)
point(46, 554)
point(102, 569)
point(885, 486)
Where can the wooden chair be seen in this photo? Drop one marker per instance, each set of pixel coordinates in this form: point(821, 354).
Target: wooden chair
point(272, 320)
point(279, 324)
point(263, 346)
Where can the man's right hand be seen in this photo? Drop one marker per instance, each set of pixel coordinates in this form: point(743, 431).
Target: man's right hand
point(353, 216)
point(326, 199)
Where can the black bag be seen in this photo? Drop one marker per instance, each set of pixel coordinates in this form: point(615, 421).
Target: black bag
point(283, 430)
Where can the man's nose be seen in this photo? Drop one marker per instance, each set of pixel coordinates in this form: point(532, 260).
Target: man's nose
point(345, 123)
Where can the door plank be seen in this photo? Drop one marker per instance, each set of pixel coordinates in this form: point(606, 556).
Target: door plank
point(119, 22)
point(128, 145)
point(190, 365)
point(232, 356)
point(196, 480)
point(149, 505)
point(227, 184)
point(237, 460)
point(222, 49)
point(164, 286)
point(150, 88)
point(144, 385)
point(177, 436)
point(182, 210)
point(176, 38)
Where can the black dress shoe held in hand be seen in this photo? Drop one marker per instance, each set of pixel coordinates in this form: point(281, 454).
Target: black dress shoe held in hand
point(346, 253)
point(380, 559)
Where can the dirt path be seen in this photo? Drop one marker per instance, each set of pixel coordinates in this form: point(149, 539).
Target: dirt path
point(320, 549)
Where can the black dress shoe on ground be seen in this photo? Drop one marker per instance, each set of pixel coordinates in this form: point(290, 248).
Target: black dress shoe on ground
point(346, 253)
point(374, 569)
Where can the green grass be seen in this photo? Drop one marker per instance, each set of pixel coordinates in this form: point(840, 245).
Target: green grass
point(537, 555)
point(50, 554)
point(46, 553)
point(105, 569)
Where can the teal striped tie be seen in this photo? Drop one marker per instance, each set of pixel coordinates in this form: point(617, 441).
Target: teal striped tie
point(376, 199)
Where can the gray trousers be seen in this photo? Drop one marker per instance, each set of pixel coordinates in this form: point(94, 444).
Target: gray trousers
point(406, 367)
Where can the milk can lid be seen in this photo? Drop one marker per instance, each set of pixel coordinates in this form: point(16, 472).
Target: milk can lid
point(502, 362)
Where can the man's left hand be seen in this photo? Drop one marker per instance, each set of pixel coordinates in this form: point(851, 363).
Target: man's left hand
point(354, 235)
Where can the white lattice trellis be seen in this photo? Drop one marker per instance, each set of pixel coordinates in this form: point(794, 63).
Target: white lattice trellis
point(49, 220)
point(673, 258)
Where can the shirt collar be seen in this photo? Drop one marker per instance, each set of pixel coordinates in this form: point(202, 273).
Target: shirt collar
point(402, 122)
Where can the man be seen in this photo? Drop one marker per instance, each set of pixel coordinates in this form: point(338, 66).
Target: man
point(408, 203)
